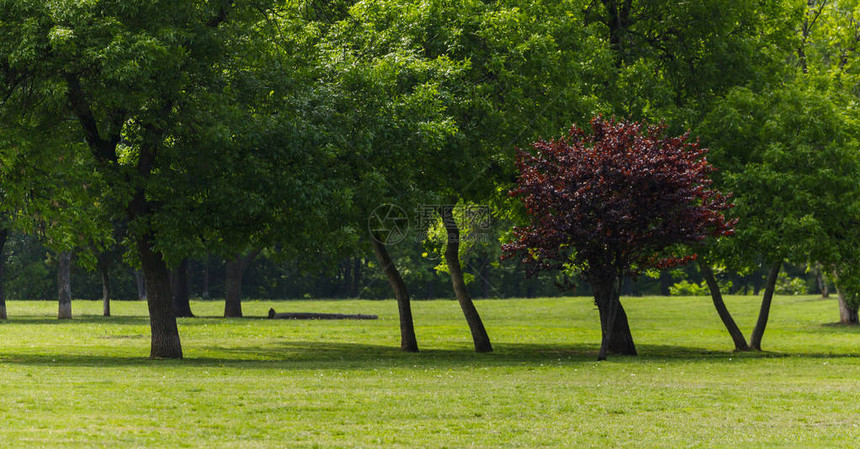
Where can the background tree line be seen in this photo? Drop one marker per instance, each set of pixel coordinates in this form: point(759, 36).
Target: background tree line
point(31, 274)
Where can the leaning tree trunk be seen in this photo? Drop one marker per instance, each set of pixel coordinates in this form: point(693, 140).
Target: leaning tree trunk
point(408, 342)
point(847, 311)
point(180, 290)
point(722, 310)
point(764, 312)
point(615, 330)
point(165, 342)
point(235, 271)
point(64, 285)
point(4, 234)
point(452, 256)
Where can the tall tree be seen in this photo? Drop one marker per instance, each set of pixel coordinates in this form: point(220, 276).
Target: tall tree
point(793, 150)
point(384, 120)
point(154, 93)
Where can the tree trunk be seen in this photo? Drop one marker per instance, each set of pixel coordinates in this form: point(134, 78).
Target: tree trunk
point(485, 279)
point(756, 281)
point(847, 311)
point(614, 328)
point(104, 263)
point(165, 343)
point(452, 257)
point(617, 20)
point(104, 268)
point(346, 285)
point(722, 310)
point(205, 293)
point(764, 312)
point(140, 282)
point(64, 284)
point(4, 234)
point(665, 282)
point(235, 269)
point(822, 281)
point(408, 342)
point(428, 288)
point(180, 290)
point(355, 288)
point(233, 288)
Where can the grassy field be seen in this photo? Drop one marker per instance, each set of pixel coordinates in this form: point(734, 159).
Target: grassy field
point(274, 383)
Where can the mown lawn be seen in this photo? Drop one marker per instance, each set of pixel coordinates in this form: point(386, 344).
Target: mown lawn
point(254, 382)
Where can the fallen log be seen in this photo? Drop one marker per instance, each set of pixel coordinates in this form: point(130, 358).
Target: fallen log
point(319, 316)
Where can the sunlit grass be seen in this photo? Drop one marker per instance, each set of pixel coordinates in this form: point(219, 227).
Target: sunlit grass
point(255, 382)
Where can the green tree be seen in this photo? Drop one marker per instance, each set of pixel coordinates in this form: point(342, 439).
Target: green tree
point(179, 156)
point(791, 160)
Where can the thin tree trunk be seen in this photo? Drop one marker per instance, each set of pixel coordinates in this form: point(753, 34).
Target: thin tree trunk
point(140, 282)
point(722, 310)
point(64, 284)
point(665, 282)
point(408, 342)
point(235, 271)
point(452, 256)
point(104, 268)
point(205, 293)
point(822, 281)
point(355, 288)
point(847, 311)
point(617, 20)
point(4, 234)
point(428, 288)
point(616, 337)
point(180, 290)
point(764, 312)
point(165, 343)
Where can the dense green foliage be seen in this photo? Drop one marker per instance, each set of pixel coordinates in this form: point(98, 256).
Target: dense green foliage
point(142, 134)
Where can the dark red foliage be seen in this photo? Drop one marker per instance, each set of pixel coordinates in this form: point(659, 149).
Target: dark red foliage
point(616, 201)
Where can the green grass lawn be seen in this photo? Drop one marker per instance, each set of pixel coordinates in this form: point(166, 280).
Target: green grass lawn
point(274, 383)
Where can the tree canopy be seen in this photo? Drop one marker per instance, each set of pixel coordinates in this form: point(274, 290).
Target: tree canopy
point(612, 202)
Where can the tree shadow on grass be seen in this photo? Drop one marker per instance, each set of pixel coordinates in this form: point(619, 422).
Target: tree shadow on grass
point(26, 320)
point(116, 319)
point(308, 355)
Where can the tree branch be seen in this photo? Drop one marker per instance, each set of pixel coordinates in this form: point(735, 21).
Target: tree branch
point(104, 150)
point(223, 11)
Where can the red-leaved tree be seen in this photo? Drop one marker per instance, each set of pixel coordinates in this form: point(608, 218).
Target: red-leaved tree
point(611, 203)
